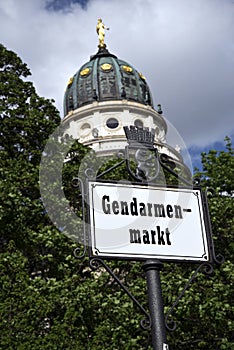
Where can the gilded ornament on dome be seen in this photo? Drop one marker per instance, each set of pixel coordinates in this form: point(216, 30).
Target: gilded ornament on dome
point(127, 69)
point(85, 72)
point(101, 33)
point(106, 66)
point(142, 76)
point(70, 81)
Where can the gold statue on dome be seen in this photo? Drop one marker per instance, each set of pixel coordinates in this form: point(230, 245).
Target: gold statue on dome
point(101, 33)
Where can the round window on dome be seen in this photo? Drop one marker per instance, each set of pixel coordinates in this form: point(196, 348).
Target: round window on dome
point(112, 123)
point(138, 123)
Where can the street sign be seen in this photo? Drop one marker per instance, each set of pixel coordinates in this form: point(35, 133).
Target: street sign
point(137, 222)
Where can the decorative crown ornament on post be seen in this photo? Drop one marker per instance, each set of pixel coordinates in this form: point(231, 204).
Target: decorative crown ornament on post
point(144, 136)
point(141, 141)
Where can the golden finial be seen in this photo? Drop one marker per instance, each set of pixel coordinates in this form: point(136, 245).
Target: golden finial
point(101, 33)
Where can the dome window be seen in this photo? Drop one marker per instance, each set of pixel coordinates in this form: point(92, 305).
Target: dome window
point(112, 123)
point(70, 102)
point(85, 129)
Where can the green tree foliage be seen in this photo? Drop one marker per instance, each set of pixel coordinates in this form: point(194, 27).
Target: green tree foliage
point(204, 314)
point(49, 299)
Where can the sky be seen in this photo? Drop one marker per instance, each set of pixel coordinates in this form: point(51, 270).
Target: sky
point(184, 48)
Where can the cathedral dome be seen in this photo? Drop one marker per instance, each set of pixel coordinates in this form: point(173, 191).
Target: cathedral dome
point(106, 78)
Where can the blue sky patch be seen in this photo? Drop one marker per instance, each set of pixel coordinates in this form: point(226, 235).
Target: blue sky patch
point(195, 151)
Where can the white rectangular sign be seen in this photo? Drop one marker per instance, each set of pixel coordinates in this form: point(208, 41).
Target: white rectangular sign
point(139, 222)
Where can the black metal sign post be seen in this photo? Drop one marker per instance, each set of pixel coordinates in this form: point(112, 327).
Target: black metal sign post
point(158, 330)
point(144, 170)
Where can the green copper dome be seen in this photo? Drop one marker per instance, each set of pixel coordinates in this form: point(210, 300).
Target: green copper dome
point(106, 78)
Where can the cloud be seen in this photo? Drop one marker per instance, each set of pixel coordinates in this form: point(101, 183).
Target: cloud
point(184, 48)
point(63, 5)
